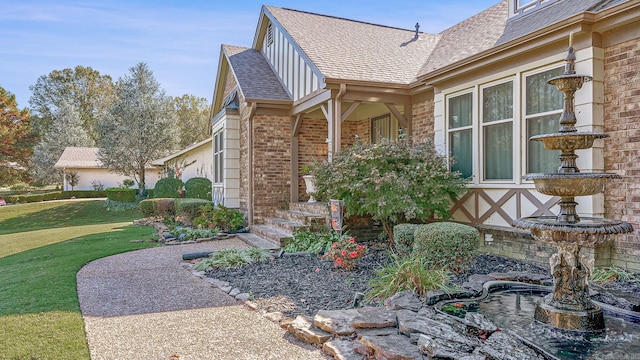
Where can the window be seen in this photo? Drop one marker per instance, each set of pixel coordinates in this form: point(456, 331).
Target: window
point(518, 7)
point(461, 134)
point(497, 131)
point(383, 127)
point(218, 167)
point(543, 107)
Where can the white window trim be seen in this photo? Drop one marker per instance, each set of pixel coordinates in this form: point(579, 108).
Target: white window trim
point(474, 126)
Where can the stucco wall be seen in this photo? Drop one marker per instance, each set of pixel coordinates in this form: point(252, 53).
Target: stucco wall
point(108, 179)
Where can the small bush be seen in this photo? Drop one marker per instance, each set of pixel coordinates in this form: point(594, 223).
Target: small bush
point(403, 235)
point(608, 275)
point(148, 207)
point(121, 194)
point(221, 217)
point(54, 195)
point(165, 208)
point(168, 188)
point(187, 233)
point(117, 206)
point(189, 209)
point(257, 254)
point(406, 273)
point(446, 244)
point(198, 188)
point(313, 242)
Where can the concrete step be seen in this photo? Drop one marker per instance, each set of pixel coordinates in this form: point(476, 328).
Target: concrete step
point(302, 216)
point(285, 225)
point(269, 233)
point(318, 208)
point(256, 241)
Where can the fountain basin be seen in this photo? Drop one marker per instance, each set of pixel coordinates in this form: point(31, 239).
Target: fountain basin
point(569, 141)
point(589, 231)
point(571, 184)
point(569, 81)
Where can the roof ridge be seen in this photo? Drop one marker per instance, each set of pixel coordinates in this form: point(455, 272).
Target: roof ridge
point(351, 20)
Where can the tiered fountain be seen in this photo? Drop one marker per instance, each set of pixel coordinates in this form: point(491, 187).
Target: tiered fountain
point(569, 306)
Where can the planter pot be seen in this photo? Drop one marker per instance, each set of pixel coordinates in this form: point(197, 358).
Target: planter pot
point(310, 183)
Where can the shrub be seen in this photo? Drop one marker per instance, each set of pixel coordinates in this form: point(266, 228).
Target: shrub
point(117, 206)
point(306, 240)
point(347, 253)
point(97, 185)
point(121, 195)
point(406, 273)
point(392, 182)
point(54, 195)
point(608, 275)
point(84, 194)
point(446, 244)
point(221, 217)
point(168, 188)
point(127, 183)
point(165, 208)
point(403, 235)
point(198, 188)
point(187, 233)
point(189, 209)
point(148, 207)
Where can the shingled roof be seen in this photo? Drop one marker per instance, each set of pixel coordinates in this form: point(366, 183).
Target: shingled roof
point(353, 50)
point(79, 157)
point(255, 77)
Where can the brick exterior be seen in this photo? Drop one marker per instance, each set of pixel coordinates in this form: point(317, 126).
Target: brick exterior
point(622, 149)
point(423, 121)
point(312, 147)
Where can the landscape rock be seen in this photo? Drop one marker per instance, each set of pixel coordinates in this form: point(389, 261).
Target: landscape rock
point(476, 282)
point(407, 300)
point(234, 292)
point(341, 349)
point(226, 289)
point(440, 349)
point(434, 296)
point(374, 317)
point(339, 322)
point(242, 296)
point(501, 346)
point(478, 325)
point(362, 349)
point(275, 316)
point(302, 329)
point(377, 332)
point(520, 276)
point(409, 324)
point(392, 347)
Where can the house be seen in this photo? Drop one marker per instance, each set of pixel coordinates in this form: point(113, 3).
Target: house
point(91, 172)
point(195, 160)
point(311, 84)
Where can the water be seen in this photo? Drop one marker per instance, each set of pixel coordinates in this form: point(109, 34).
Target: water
point(514, 310)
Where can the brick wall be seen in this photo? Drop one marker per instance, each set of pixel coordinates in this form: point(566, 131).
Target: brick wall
point(622, 149)
point(312, 147)
point(271, 163)
point(423, 120)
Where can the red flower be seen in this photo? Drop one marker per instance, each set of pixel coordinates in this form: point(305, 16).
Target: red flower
point(339, 261)
point(334, 244)
point(352, 240)
point(344, 252)
point(359, 246)
point(353, 254)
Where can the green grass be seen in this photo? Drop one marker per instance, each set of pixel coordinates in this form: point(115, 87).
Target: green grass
point(59, 214)
point(39, 310)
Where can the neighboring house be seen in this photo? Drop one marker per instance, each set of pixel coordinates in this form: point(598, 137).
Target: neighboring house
point(84, 161)
point(194, 161)
point(311, 84)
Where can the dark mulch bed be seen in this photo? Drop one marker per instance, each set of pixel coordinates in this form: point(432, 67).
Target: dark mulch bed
point(304, 284)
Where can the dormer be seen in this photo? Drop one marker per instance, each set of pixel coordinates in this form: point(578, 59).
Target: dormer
point(522, 7)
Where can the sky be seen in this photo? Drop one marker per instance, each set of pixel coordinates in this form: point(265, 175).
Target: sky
point(179, 40)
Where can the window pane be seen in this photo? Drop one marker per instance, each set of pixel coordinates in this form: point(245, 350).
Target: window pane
point(461, 152)
point(381, 128)
point(498, 152)
point(539, 159)
point(542, 97)
point(497, 102)
point(460, 111)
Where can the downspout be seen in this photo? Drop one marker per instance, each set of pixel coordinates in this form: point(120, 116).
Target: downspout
point(337, 141)
point(252, 111)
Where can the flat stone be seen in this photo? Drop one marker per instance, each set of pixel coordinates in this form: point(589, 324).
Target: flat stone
point(374, 317)
point(226, 289)
point(377, 332)
point(478, 325)
point(434, 296)
point(275, 316)
point(409, 323)
point(501, 346)
point(341, 349)
point(407, 300)
point(251, 305)
point(219, 283)
point(440, 349)
point(525, 277)
point(198, 273)
point(302, 329)
point(242, 296)
point(392, 347)
point(362, 349)
point(286, 322)
point(476, 282)
point(234, 292)
point(339, 322)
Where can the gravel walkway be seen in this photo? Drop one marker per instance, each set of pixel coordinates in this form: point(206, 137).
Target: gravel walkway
point(145, 305)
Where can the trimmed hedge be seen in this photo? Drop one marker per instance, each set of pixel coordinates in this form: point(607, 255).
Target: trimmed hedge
point(189, 209)
point(54, 195)
point(198, 188)
point(165, 208)
point(148, 207)
point(403, 235)
point(121, 194)
point(168, 188)
point(446, 244)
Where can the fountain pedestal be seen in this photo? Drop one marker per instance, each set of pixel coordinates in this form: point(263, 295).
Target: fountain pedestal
point(569, 306)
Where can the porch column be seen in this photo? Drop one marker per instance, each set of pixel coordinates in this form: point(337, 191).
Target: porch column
point(295, 129)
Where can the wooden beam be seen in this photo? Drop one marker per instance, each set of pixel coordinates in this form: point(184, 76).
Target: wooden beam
point(408, 115)
point(397, 114)
point(295, 126)
point(325, 111)
point(350, 110)
point(312, 101)
point(376, 97)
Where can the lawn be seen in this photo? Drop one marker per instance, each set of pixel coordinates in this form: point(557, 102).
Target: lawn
point(39, 311)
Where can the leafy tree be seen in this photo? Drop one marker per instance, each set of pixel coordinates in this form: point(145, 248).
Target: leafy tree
point(193, 119)
point(392, 182)
point(72, 178)
point(68, 131)
point(140, 126)
point(16, 140)
point(83, 87)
